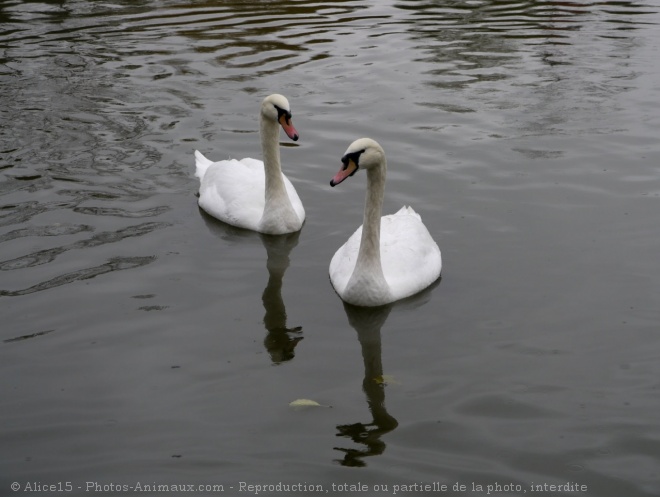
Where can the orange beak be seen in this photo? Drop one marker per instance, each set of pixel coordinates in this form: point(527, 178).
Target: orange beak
point(347, 169)
point(288, 128)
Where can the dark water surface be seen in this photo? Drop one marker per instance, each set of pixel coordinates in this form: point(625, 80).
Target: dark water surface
point(143, 343)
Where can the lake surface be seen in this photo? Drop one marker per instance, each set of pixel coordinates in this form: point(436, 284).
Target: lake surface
point(144, 343)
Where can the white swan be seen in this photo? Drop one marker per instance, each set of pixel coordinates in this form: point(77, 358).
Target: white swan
point(249, 193)
point(388, 258)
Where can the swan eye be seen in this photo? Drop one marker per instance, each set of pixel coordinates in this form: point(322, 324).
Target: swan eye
point(344, 160)
point(283, 113)
point(353, 156)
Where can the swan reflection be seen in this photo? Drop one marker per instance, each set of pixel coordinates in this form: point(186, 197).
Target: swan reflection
point(368, 321)
point(280, 340)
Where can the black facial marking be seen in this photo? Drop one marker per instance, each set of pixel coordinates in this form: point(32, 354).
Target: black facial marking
point(281, 112)
point(355, 157)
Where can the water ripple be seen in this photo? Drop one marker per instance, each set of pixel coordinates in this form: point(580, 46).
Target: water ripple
point(49, 255)
point(54, 230)
point(114, 264)
point(110, 211)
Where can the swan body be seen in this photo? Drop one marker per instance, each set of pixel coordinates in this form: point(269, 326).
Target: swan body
point(388, 258)
point(249, 193)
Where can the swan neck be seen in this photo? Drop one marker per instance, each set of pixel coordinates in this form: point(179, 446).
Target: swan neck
point(367, 285)
point(271, 153)
point(279, 215)
point(369, 254)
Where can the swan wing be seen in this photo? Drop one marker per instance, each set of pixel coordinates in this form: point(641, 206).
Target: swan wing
point(294, 198)
point(343, 262)
point(410, 258)
point(232, 190)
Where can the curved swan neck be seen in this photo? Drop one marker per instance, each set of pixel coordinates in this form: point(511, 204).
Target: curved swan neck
point(279, 215)
point(373, 208)
point(368, 262)
point(367, 285)
point(271, 153)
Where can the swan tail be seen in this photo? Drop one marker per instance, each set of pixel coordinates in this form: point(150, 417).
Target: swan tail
point(201, 164)
point(406, 210)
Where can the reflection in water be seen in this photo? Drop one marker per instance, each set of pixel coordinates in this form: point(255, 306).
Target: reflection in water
point(368, 321)
point(280, 340)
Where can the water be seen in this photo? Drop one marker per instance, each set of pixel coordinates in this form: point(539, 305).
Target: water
point(145, 343)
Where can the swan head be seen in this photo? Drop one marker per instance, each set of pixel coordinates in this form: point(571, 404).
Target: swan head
point(364, 153)
point(276, 108)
